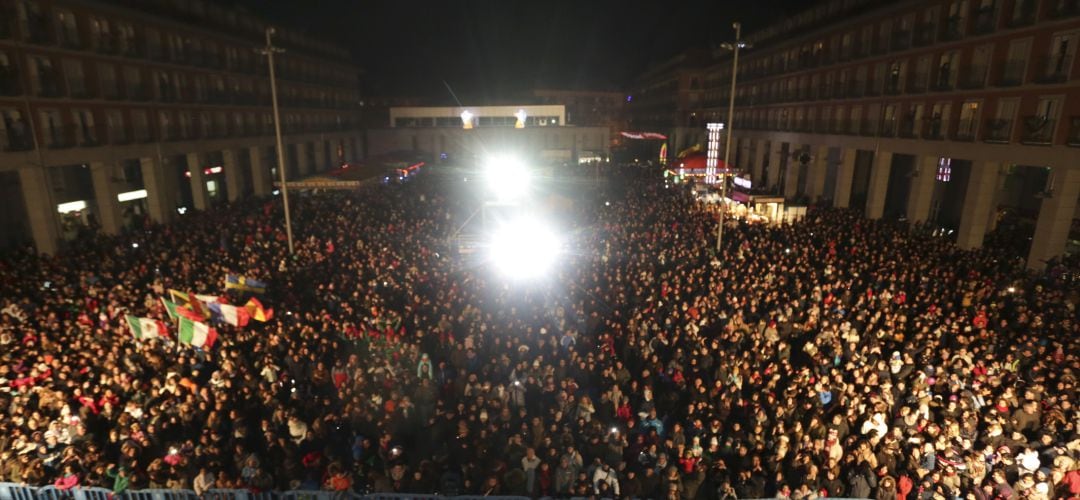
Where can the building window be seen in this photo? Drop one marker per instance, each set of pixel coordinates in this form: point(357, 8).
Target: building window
point(85, 131)
point(34, 24)
point(43, 77)
point(153, 43)
point(133, 88)
point(107, 80)
point(125, 38)
point(76, 78)
point(140, 125)
point(946, 72)
point(165, 126)
point(9, 81)
point(1060, 61)
point(100, 35)
point(969, 121)
point(67, 28)
point(14, 132)
point(114, 123)
point(52, 128)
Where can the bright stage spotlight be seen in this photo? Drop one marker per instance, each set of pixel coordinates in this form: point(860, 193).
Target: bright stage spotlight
point(525, 248)
point(507, 177)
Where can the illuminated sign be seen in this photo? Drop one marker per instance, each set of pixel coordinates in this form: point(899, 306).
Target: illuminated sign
point(644, 135)
point(712, 151)
point(138, 194)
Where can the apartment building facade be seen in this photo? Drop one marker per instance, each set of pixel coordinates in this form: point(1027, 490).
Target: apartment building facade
point(114, 111)
point(945, 112)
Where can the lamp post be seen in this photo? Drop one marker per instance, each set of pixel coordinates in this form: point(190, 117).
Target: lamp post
point(734, 47)
point(269, 51)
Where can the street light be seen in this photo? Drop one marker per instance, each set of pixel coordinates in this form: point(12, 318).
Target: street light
point(507, 177)
point(739, 43)
point(524, 248)
point(269, 51)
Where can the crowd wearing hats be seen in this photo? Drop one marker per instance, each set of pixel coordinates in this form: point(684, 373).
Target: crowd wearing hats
point(832, 357)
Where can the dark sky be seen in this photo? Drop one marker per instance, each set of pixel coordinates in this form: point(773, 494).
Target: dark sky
point(492, 48)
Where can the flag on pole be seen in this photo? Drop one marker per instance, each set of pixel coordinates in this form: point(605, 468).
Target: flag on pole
point(237, 282)
point(146, 328)
point(196, 334)
point(175, 311)
point(235, 316)
point(209, 299)
point(257, 312)
point(189, 301)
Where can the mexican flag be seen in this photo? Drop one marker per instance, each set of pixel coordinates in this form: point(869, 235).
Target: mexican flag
point(146, 328)
point(196, 334)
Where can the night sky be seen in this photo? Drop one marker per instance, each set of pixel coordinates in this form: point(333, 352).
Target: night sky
point(489, 49)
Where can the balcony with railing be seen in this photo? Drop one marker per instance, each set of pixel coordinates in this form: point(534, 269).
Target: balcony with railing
point(868, 127)
point(117, 136)
point(59, 137)
point(137, 93)
point(142, 135)
point(925, 34)
point(953, 28)
point(901, 39)
point(847, 53)
point(1055, 69)
point(1073, 138)
point(87, 137)
point(7, 22)
point(103, 44)
point(9, 82)
point(39, 30)
point(873, 87)
point(888, 128)
point(49, 86)
point(998, 131)
point(909, 128)
point(854, 88)
point(944, 80)
point(881, 46)
point(1023, 13)
point(16, 138)
point(893, 85)
point(935, 129)
point(821, 92)
point(965, 131)
point(1037, 130)
point(1012, 74)
point(1060, 9)
point(985, 20)
point(69, 39)
point(854, 127)
point(974, 77)
point(918, 83)
point(862, 50)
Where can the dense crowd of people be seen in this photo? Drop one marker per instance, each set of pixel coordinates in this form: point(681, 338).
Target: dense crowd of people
point(832, 357)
